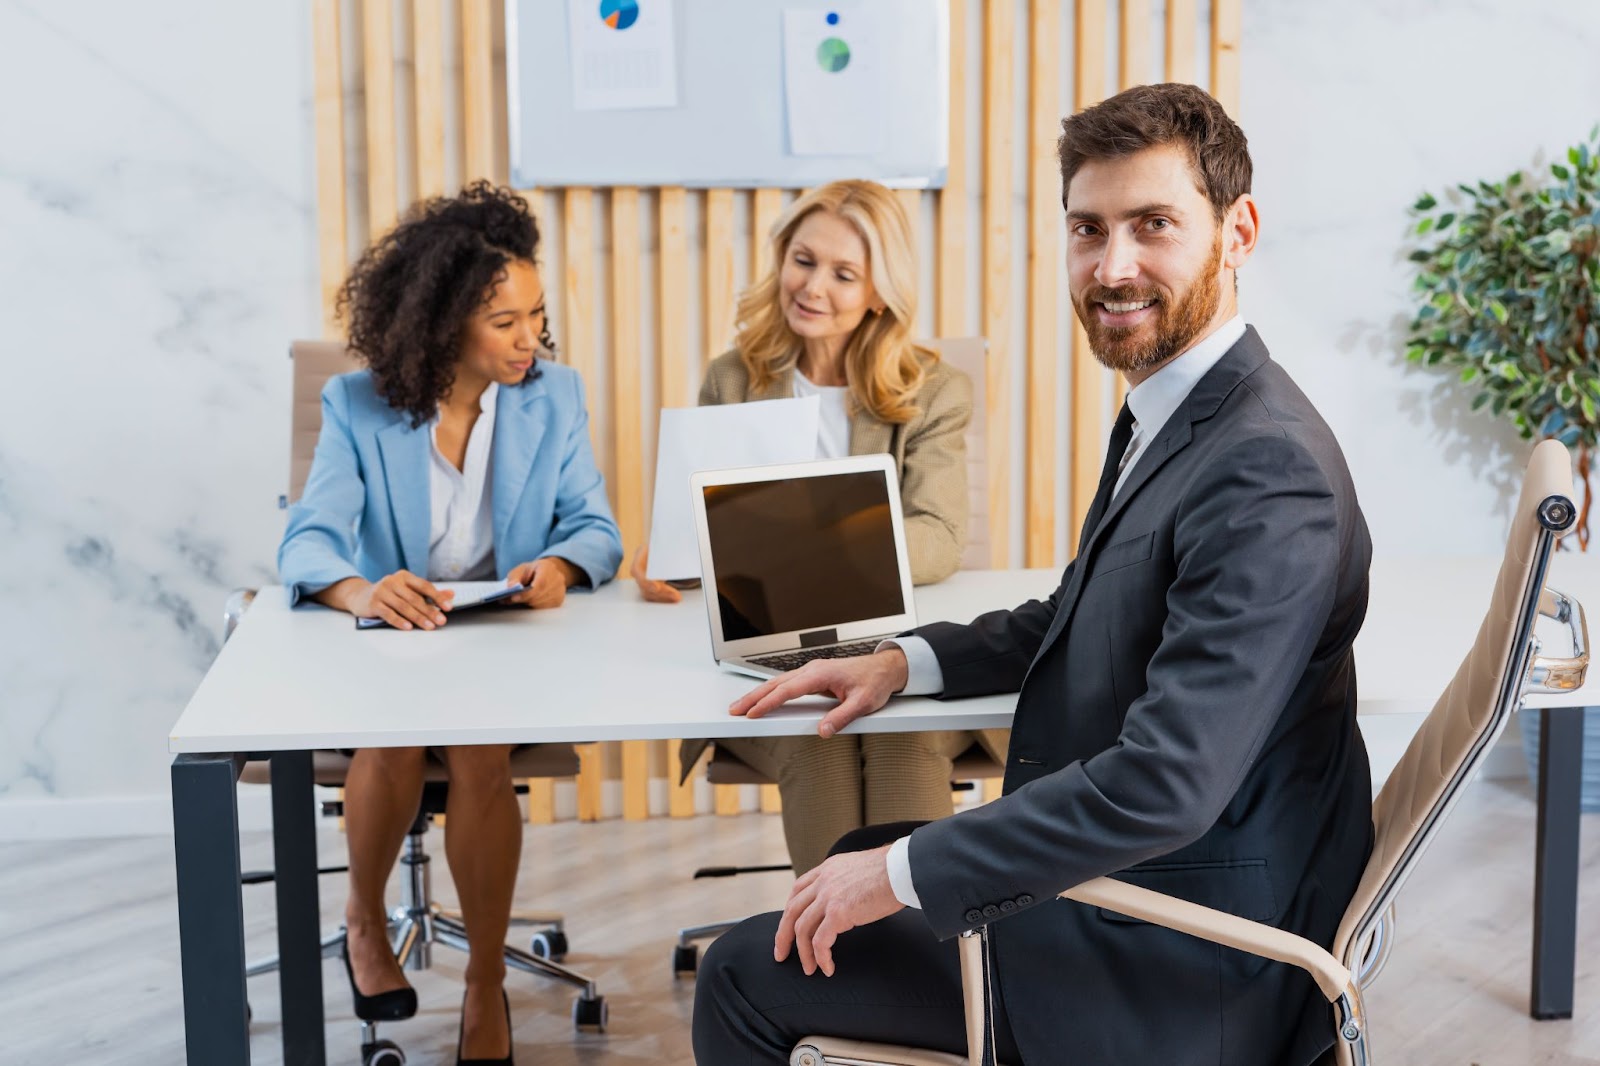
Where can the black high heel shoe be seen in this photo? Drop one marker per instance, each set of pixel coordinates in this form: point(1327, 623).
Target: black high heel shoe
point(511, 1045)
point(395, 1005)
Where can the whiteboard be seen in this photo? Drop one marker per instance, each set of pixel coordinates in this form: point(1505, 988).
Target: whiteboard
point(730, 126)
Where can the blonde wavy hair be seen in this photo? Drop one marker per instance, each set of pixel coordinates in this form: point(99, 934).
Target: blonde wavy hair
point(883, 367)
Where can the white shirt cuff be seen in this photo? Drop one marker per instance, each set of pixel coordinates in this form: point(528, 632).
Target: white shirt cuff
point(900, 873)
point(924, 677)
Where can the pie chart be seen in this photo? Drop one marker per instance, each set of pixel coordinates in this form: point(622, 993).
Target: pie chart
point(833, 55)
point(619, 14)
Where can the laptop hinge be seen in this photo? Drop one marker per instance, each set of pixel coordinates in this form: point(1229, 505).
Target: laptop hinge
point(818, 637)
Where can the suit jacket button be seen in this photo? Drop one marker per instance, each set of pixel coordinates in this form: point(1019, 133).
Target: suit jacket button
point(1007, 906)
point(991, 911)
point(974, 916)
point(1024, 900)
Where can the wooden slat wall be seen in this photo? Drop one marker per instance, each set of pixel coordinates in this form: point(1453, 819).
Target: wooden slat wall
point(614, 247)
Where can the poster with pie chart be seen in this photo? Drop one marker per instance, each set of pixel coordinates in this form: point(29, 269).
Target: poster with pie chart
point(624, 54)
point(727, 93)
point(832, 73)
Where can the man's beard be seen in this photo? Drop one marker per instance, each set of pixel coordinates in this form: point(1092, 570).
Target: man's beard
point(1140, 348)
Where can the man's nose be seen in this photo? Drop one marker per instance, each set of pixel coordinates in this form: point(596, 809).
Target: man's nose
point(1119, 264)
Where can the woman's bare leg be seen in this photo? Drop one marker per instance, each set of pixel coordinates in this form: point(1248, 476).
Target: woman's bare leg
point(381, 795)
point(483, 843)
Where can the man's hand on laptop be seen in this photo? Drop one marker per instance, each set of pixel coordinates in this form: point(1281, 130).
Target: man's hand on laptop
point(861, 685)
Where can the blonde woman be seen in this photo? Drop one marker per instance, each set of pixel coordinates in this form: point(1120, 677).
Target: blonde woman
point(833, 318)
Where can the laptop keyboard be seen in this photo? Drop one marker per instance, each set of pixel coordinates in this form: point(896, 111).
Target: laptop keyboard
point(793, 660)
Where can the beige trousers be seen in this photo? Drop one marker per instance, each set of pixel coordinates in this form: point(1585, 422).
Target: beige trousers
point(832, 786)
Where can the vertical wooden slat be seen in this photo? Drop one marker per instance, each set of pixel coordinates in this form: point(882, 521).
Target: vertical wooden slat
point(765, 207)
point(1133, 43)
point(377, 47)
point(477, 90)
point(427, 19)
point(635, 780)
point(680, 797)
point(719, 291)
point(576, 335)
point(771, 800)
point(333, 254)
point(911, 203)
point(726, 799)
point(1088, 381)
point(541, 800)
point(1044, 265)
point(1183, 22)
point(591, 776)
point(672, 298)
point(951, 270)
point(625, 398)
point(999, 40)
point(1226, 29)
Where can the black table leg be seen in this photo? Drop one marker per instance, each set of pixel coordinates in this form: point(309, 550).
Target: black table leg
point(294, 860)
point(205, 822)
point(1555, 887)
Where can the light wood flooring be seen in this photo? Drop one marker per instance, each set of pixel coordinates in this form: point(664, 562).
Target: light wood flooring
point(89, 956)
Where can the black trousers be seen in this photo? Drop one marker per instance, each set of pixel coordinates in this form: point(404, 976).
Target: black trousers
point(893, 983)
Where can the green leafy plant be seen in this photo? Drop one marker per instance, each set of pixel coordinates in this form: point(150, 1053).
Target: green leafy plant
point(1508, 296)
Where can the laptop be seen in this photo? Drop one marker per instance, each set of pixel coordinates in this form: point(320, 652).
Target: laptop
point(802, 561)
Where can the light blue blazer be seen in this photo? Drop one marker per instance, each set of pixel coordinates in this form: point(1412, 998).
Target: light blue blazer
point(366, 510)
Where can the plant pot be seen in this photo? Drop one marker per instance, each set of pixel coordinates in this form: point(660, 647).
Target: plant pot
point(1590, 789)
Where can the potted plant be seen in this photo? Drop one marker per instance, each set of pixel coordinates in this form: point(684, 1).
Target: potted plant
point(1508, 297)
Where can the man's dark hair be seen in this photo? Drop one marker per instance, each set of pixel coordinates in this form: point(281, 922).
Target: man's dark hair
point(410, 295)
point(1148, 116)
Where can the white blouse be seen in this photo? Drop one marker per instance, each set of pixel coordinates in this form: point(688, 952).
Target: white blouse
point(461, 537)
point(833, 429)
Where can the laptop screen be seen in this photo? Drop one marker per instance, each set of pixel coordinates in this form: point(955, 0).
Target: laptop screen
point(803, 553)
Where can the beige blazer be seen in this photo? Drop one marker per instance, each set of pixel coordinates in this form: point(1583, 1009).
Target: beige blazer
point(930, 454)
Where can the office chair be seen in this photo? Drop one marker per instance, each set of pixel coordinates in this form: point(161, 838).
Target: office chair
point(968, 355)
point(418, 922)
point(1503, 665)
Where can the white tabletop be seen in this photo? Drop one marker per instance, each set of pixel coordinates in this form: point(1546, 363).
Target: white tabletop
point(608, 666)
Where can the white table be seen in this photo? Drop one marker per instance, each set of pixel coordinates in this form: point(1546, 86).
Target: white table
point(608, 666)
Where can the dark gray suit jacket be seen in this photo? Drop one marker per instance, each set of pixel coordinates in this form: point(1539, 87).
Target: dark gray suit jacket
point(1186, 722)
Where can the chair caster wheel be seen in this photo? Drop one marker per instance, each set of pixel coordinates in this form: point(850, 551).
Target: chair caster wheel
point(685, 960)
point(590, 1014)
point(548, 944)
point(383, 1053)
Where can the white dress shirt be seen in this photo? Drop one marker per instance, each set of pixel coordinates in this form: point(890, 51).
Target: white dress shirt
point(461, 534)
point(1152, 403)
point(833, 427)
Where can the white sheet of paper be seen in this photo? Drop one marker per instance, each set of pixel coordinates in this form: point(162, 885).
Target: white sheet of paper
point(833, 111)
point(715, 438)
point(624, 54)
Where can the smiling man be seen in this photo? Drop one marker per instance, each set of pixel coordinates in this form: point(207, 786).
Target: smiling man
point(1186, 696)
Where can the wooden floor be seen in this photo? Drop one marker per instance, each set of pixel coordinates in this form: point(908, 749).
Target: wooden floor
point(89, 955)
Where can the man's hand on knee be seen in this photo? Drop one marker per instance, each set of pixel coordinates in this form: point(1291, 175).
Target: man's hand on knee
point(846, 891)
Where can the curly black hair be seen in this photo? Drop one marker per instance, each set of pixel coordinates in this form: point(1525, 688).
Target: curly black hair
point(408, 298)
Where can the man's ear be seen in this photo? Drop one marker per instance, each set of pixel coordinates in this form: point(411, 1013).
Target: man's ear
point(1241, 227)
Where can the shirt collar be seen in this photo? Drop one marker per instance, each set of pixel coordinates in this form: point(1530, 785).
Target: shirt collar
point(486, 402)
point(1157, 397)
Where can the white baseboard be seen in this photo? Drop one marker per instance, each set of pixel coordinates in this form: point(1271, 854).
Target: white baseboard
point(82, 817)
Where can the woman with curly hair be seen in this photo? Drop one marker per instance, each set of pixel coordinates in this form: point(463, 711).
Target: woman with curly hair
point(460, 453)
point(833, 318)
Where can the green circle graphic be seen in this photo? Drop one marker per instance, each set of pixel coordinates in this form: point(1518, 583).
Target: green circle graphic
point(833, 55)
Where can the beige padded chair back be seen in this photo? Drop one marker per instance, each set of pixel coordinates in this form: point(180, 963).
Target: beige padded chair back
point(314, 363)
point(1487, 687)
point(969, 355)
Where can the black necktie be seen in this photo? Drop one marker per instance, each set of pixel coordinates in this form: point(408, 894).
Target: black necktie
point(1121, 434)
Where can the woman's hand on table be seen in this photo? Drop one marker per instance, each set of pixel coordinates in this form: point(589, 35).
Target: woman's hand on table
point(654, 591)
point(547, 581)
